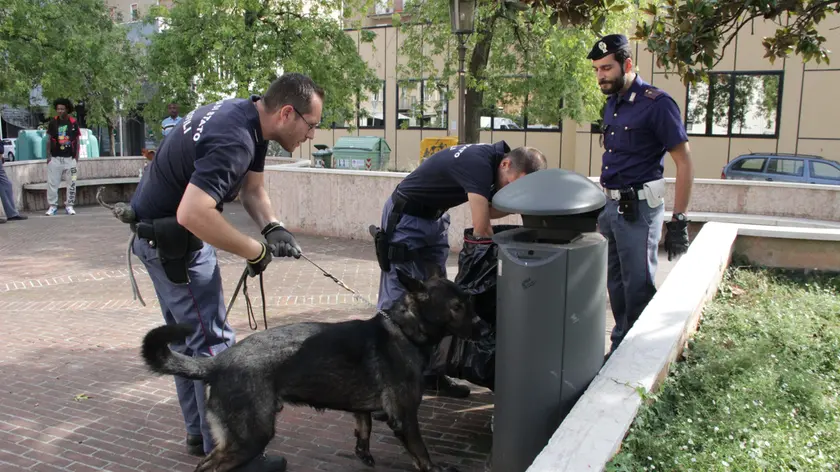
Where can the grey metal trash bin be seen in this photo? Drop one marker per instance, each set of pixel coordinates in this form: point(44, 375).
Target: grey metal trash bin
point(550, 312)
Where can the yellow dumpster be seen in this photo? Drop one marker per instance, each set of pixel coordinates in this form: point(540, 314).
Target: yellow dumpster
point(429, 146)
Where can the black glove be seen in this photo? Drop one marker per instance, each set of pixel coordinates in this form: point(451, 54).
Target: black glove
point(282, 242)
point(256, 266)
point(676, 238)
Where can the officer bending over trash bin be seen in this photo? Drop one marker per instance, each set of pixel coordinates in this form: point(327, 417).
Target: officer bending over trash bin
point(415, 221)
point(216, 153)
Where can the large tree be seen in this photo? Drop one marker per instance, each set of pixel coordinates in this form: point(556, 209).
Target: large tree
point(213, 49)
point(692, 36)
point(544, 42)
point(531, 58)
point(71, 49)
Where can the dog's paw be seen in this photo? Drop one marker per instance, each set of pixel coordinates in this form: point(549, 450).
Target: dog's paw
point(365, 456)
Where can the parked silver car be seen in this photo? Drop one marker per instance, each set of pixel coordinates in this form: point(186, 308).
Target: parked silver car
point(798, 168)
point(9, 149)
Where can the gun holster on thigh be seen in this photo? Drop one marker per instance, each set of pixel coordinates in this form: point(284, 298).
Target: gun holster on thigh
point(628, 204)
point(174, 244)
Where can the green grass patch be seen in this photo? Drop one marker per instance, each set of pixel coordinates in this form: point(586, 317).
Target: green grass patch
point(759, 387)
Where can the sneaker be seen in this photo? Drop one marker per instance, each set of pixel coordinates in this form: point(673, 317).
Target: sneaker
point(51, 211)
point(70, 210)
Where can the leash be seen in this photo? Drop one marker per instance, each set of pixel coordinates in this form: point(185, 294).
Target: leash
point(356, 295)
point(249, 308)
point(125, 214)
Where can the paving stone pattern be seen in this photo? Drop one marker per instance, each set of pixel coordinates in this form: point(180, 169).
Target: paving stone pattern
point(76, 396)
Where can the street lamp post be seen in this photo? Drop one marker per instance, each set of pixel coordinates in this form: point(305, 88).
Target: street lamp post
point(462, 14)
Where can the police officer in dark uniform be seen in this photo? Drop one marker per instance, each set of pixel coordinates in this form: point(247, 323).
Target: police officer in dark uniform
point(216, 153)
point(415, 222)
point(641, 123)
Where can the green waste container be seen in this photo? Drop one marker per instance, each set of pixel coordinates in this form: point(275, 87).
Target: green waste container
point(361, 153)
point(88, 144)
point(323, 156)
point(30, 145)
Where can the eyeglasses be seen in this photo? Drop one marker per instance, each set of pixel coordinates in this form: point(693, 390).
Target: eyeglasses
point(311, 125)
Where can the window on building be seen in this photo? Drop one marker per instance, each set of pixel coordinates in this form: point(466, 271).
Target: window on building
point(372, 109)
point(794, 167)
point(422, 103)
point(135, 13)
point(735, 104)
point(822, 170)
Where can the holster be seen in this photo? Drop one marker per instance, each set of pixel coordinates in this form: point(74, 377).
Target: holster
point(628, 204)
point(174, 244)
point(387, 251)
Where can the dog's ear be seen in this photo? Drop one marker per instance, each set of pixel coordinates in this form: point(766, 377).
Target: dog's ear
point(433, 271)
point(410, 283)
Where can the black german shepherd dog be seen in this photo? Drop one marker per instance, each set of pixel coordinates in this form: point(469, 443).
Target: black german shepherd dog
point(358, 366)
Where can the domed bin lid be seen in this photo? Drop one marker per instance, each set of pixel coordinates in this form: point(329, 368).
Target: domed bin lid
point(550, 192)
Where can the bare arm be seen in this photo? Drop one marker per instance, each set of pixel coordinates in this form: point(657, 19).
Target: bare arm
point(197, 212)
point(480, 211)
point(685, 176)
point(255, 199)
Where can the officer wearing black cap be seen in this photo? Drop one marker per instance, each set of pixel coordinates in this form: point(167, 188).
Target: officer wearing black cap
point(641, 124)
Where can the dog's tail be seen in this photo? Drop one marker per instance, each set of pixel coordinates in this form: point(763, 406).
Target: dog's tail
point(162, 360)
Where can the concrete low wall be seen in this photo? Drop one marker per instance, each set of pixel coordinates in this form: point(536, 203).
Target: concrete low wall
point(343, 203)
point(25, 172)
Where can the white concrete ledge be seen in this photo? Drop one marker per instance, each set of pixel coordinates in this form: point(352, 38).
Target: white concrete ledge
point(760, 220)
point(593, 431)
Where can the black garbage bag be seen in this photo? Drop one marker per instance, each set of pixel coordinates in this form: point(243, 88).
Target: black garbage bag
point(474, 360)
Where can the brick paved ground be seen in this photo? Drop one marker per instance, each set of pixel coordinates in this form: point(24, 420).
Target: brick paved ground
point(75, 395)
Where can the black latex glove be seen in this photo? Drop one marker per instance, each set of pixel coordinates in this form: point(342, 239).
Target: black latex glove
point(282, 242)
point(258, 265)
point(676, 238)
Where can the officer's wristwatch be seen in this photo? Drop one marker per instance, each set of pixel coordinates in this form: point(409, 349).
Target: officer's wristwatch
point(679, 217)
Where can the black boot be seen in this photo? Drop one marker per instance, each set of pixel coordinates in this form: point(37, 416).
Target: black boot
point(264, 463)
point(195, 445)
point(446, 387)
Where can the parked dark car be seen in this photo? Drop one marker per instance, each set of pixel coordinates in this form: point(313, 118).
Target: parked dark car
point(770, 167)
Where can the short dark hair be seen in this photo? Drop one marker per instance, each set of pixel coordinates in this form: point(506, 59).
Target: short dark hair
point(63, 101)
point(622, 54)
point(291, 89)
point(527, 159)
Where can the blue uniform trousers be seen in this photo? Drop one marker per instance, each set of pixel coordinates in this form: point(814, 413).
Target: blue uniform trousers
point(200, 304)
point(429, 238)
point(7, 193)
point(631, 262)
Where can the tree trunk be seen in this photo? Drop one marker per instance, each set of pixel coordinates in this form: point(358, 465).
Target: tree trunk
point(111, 138)
point(477, 67)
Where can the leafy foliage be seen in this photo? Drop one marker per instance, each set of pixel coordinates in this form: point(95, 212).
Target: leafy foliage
point(214, 49)
point(759, 388)
point(71, 49)
point(519, 51)
point(691, 36)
